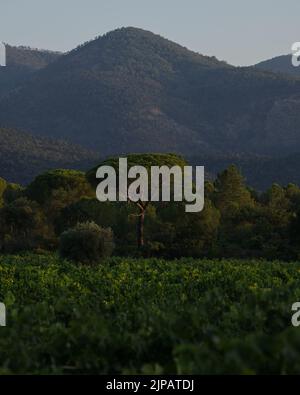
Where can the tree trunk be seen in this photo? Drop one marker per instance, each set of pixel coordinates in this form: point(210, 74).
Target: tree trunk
point(140, 229)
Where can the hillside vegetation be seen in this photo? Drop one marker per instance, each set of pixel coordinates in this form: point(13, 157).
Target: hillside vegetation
point(23, 157)
point(30, 58)
point(21, 63)
point(131, 91)
point(280, 64)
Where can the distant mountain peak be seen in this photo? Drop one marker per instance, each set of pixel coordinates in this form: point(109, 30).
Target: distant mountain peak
point(134, 41)
point(131, 90)
point(280, 64)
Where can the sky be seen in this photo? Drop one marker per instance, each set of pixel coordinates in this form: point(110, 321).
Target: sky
point(237, 31)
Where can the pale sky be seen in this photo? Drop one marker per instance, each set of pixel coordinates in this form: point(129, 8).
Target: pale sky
point(238, 31)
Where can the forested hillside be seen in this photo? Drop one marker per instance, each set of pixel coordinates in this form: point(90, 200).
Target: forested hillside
point(280, 64)
point(23, 157)
point(134, 91)
point(21, 63)
point(30, 58)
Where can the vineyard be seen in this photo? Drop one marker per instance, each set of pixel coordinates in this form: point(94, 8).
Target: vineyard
point(148, 316)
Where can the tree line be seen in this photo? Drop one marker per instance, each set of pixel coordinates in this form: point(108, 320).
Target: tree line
point(237, 221)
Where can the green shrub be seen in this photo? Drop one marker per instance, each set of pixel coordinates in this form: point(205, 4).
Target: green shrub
point(86, 243)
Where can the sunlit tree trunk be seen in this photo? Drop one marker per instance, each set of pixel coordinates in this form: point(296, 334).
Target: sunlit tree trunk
point(140, 224)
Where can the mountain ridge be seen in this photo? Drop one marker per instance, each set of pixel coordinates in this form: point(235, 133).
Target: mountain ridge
point(280, 64)
point(133, 75)
point(133, 91)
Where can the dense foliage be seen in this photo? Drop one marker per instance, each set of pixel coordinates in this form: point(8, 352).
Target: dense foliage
point(125, 315)
point(148, 316)
point(147, 161)
point(236, 220)
point(23, 157)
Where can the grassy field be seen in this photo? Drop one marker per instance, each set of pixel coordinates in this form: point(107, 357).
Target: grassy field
point(148, 316)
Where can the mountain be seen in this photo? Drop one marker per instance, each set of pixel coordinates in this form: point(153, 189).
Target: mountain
point(21, 63)
point(113, 93)
point(134, 91)
point(280, 64)
point(22, 156)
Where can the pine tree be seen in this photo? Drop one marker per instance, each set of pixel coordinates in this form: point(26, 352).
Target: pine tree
point(231, 192)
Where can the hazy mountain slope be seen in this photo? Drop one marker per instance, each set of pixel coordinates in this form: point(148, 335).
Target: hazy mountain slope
point(280, 64)
point(134, 91)
point(33, 59)
point(21, 62)
point(115, 93)
point(260, 171)
point(22, 156)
